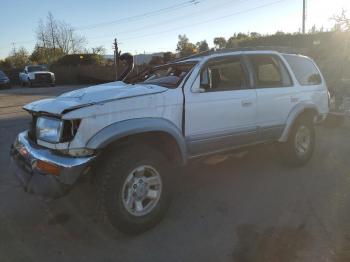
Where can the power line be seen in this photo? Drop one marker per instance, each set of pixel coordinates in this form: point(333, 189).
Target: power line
point(130, 18)
point(174, 19)
point(203, 22)
point(143, 15)
point(209, 20)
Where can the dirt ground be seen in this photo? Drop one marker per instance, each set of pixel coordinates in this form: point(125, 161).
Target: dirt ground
point(248, 209)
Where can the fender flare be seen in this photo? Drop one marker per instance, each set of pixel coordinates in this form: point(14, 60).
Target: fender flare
point(293, 115)
point(125, 128)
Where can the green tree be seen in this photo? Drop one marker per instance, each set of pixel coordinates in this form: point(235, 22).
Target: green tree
point(41, 55)
point(232, 42)
point(5, 64)
point(168, 56)
point(18, 58)
point(220, 42)
point(241, 36)
point(185, 47)
point(280, 33)
point(202, 46)
point(255, 35)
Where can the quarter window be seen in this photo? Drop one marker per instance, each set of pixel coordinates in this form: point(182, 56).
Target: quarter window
point(269, 71)
point(304, 69)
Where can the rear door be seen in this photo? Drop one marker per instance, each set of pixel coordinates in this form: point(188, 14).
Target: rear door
point(276, 94)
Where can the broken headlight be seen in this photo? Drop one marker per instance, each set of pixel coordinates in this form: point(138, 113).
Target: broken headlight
point(49, 129)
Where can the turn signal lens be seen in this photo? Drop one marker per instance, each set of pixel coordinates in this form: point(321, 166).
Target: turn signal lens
point(48, 168)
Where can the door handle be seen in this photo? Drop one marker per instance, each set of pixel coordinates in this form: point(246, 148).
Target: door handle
point(246, 103)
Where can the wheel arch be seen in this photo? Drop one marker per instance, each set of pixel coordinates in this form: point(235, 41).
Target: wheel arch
point(157, 132)
point(299, 110)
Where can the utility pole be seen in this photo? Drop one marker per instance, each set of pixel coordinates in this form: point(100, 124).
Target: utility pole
point(116, 56)
point(304, 16)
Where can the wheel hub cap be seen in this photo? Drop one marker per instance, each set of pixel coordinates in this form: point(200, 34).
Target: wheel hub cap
point(141, 190)
point(302, 140)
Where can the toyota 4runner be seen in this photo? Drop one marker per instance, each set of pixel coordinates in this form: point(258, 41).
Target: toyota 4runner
point(131, 134)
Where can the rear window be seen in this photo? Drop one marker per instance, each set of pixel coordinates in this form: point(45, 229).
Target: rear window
point(304, 69)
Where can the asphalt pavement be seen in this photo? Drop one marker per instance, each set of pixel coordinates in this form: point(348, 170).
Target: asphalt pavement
point(246, 209)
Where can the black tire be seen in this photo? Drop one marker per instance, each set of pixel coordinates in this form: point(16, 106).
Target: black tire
point(23, 84)
point(111, 176)
point(290, 153)
point(30, 84)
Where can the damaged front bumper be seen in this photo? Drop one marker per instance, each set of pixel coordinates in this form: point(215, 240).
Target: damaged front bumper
point(27, 160)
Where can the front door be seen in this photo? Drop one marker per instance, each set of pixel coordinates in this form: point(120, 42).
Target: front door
point(222, 114)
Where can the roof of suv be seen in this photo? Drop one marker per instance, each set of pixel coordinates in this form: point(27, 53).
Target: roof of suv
point(223, 52)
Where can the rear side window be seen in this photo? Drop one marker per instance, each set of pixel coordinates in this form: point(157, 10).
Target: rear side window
point(304, 69)
point(269, 71)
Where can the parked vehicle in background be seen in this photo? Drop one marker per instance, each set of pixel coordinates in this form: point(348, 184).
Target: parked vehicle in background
point(36, 75)
point(4, 80)
point(132, 134)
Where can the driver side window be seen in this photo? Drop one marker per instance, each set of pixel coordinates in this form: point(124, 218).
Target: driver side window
point(223, 75)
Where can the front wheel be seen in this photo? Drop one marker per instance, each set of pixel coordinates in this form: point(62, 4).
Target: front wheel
point(300, 146)
point(134, 188)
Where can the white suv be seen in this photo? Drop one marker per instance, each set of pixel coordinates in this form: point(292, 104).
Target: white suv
point(130, 134)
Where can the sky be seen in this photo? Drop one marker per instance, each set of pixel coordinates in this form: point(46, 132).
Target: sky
point(154, 26)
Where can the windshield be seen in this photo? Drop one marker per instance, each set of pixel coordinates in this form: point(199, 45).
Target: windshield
point(169, 75)
point(37, 68)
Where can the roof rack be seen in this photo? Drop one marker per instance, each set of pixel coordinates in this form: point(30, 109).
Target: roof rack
point(281, 49)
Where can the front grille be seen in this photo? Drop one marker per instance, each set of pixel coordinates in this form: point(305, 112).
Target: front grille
point(44, 77)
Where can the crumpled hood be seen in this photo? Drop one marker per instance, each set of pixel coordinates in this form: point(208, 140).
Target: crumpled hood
point(92, 95)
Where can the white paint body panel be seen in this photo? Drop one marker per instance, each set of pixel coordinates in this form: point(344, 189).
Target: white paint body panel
point(205, 113)
point(219, 112)
point(166, 105)
point(92, 95)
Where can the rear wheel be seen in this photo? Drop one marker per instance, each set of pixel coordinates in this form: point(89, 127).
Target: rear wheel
point(299, 148)
point(134, 188)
